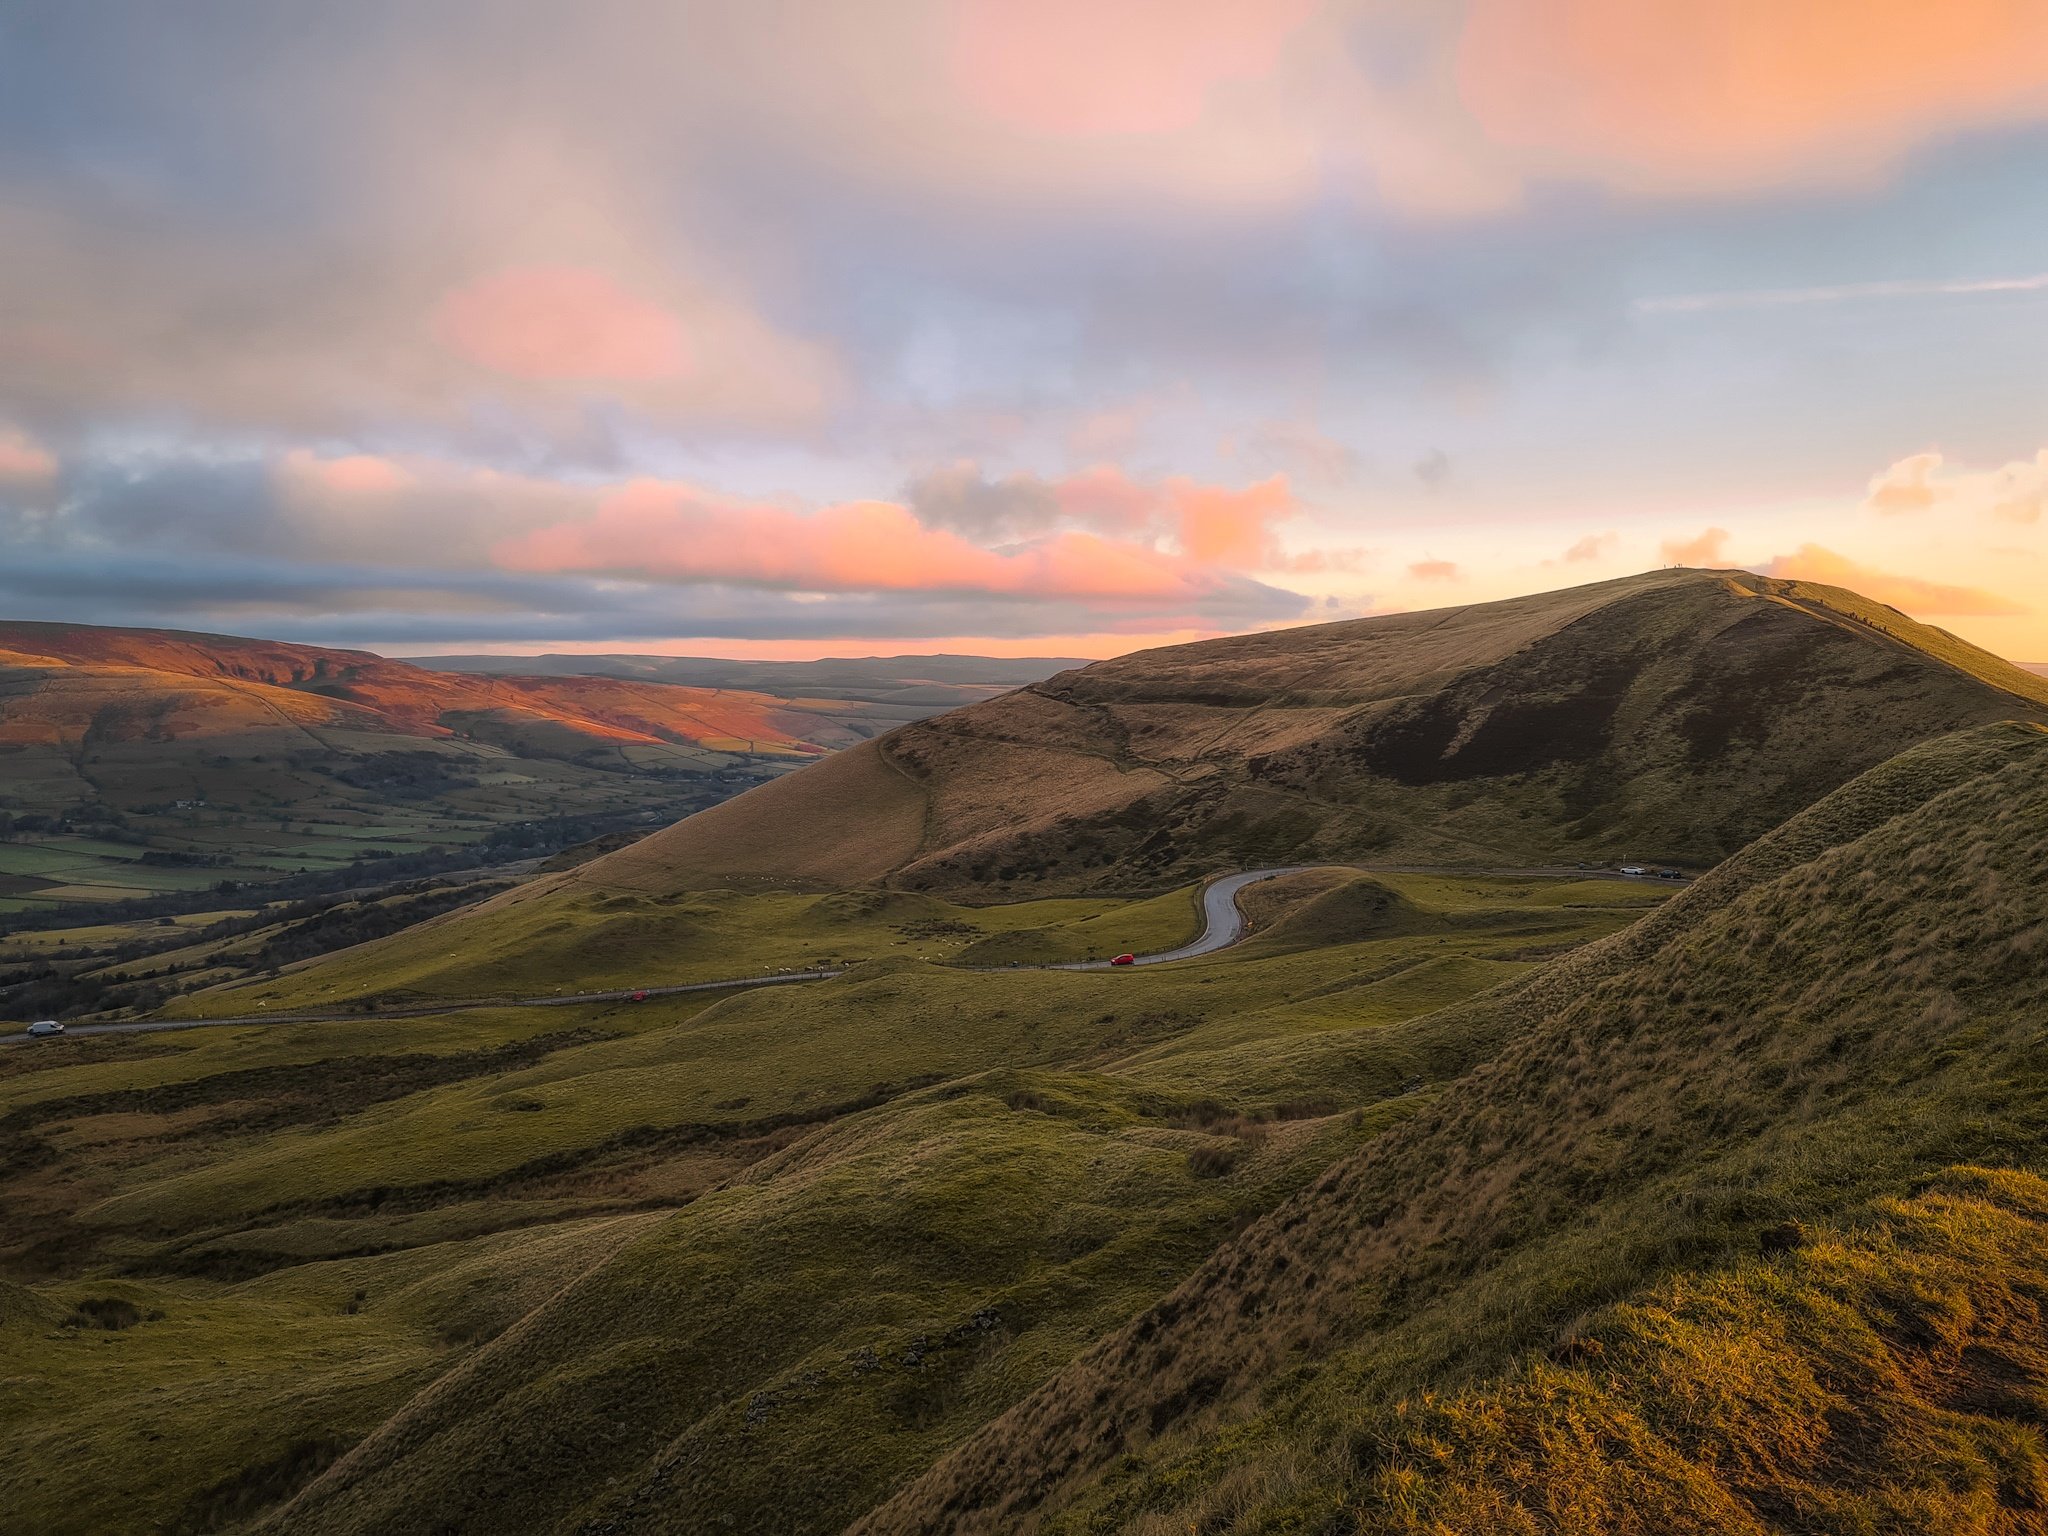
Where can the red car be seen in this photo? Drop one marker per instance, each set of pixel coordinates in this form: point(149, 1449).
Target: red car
point(639, 997)
point(1125, 960)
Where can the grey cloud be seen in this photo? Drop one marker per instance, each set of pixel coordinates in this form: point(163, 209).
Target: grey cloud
point(336, 604)
point(965, 500)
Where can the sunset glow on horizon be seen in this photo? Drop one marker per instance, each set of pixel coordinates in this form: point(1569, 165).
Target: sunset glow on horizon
point(1016, 327)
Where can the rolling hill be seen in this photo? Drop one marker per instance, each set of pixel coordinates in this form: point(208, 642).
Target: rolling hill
point(1740, 1231)
point(1672, 717)
point(1462, 1198)
point(210, 748)
point(1724, 1220)
point(71, 683)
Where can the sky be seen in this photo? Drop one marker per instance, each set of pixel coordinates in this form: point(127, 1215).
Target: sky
point(787, 328)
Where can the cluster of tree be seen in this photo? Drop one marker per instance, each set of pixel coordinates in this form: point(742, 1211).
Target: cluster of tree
point(92, 818)
point(405, 775)
point(501, 845)
point(308, 915)
point(119, 977)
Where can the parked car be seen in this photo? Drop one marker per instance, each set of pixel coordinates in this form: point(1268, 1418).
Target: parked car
point(639, 997)
point(43, 1027)
point(1125, 960)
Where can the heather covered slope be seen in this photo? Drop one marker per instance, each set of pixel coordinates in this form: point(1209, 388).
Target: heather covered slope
point(1701, 1249)
point(1672, 716)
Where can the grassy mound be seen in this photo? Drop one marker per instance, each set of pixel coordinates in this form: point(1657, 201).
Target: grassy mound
point(1358, 908)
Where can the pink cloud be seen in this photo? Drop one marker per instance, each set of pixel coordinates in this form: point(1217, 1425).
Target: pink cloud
point(1080, 69)
point(1907, 486)
point(1434, 570)
point(562, 325)
point(357, 474)
point(23, 460)
point(1107, 499)
point(1911, 594)
point(2015, 492)
point(675, 532)
point(1220, 526)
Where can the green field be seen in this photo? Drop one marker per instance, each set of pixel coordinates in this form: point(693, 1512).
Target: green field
point(327, 1216)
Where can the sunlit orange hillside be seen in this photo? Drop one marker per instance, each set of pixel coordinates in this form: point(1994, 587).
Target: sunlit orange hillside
point(65, 682)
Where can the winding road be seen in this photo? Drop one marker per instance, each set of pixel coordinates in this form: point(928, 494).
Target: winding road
point(1222, 921)
point(1222, 926)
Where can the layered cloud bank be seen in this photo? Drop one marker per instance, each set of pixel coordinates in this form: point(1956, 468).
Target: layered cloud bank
point(434, 549)
point(1011, 318)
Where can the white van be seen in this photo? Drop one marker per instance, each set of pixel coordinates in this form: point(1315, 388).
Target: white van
point(43, 1027)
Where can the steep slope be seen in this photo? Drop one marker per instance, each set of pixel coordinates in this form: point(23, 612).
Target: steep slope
point(1690, 1253)
point(1671, 716)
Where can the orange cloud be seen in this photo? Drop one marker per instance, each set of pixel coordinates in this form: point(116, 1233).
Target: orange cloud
point(23, 460)
point(562, 325)
point(1219, 526)
point(1213, 524)
point(1081, 69)
point(1434, 570)
point(677, 532)
point(1910, 594)
point(2016, 492)
point(357, 474)
point(1591, 547)
point(1717, 95)
point(1709, 549)
point(1906, 486)
point(1104, 497)
point(2019, 491)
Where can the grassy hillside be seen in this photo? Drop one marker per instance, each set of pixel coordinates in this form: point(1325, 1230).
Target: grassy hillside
point(530, 948)
point(777, 1250)
point(1669, 717)
point(1459, 1197)
point(1739, 1231)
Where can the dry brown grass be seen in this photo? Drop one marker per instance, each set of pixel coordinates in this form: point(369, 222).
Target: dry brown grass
point(848, 820)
